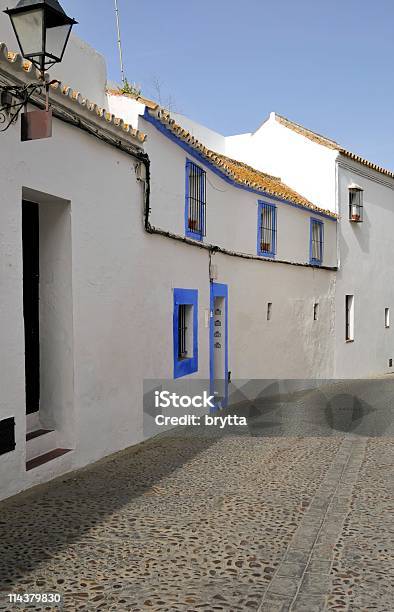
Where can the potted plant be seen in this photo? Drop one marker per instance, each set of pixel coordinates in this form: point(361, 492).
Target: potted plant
point(192, 223)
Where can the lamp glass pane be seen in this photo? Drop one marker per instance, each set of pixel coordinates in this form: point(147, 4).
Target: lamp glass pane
point(29, 30)
point(56, 40)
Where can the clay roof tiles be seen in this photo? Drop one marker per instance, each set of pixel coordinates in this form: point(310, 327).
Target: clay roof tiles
point(237, 171)
point(19, 63)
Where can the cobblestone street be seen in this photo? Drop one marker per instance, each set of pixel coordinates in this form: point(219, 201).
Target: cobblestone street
point(296, 513)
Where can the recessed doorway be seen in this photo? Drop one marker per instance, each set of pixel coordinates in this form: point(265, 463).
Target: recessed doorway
point(31, 293)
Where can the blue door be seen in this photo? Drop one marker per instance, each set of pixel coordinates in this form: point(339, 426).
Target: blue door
point(218, 344)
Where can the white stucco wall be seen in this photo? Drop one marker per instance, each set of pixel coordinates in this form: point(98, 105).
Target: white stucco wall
point(121, 281)
point(366, 253)
point(306, 166)
point(232, 213)
point(211, 139)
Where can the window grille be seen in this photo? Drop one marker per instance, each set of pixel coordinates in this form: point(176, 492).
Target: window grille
point(355, 204)
point(267, 229)
point(182, 330)
point(185, 332)
point(195, 200)
point(316, 242)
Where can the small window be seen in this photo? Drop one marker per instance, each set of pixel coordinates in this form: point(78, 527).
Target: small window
point(185, 332)
point(266, 230)
point(387, 317)
point(315, 312)
point(349, 306)
point(195, 212)
point(185, 328)
point(269, 311)
point(355, 204)
point(7, 435)
point(316, 242)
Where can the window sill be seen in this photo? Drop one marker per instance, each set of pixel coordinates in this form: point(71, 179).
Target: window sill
point(193, 236)
point(184, 367)
point(268, 255)
point(349, 341)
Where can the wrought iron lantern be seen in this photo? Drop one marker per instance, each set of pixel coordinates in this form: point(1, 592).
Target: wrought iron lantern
point(42, 29)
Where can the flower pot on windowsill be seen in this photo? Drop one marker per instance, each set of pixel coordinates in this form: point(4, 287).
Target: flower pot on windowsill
point(356, 218)
point(266, 247)
point(192, 224)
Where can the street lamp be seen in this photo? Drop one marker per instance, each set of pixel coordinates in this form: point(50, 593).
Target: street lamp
point(42, 29)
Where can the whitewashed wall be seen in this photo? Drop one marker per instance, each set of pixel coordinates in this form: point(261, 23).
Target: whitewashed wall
point(122, 281)
point(366, 256)
point(304, 165)
point(231, 214)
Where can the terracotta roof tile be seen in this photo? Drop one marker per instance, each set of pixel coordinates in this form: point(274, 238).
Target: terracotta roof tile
point(237, 171)
point(19, 63)
point(331, 144)
point(146, 101)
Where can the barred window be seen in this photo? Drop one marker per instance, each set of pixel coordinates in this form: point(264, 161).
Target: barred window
point(195, 201)
point(185, 331)
point(356, 204)
point(267, 229)
point(185, 323)
point(316, 242)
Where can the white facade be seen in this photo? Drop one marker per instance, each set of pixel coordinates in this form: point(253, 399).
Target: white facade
point(365, 250)
point(106, 292)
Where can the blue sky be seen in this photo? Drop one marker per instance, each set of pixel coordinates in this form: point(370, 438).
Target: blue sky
point(227, 64)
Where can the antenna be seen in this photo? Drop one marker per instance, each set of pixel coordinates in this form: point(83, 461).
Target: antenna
point(119, 42)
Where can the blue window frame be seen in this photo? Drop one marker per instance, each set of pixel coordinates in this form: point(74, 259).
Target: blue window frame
point(316, 242)
point(185, 332)
point(195, 201)
point(266, 229)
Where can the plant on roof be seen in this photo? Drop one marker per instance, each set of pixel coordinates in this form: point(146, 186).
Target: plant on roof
point(130, 88)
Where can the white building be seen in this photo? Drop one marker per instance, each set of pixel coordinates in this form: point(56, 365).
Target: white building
point(146, 251)
point(334, 178)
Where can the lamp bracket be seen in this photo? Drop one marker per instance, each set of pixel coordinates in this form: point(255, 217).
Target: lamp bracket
point(14, 97)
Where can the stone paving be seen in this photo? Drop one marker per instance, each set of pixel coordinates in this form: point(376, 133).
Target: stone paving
point(295, 514)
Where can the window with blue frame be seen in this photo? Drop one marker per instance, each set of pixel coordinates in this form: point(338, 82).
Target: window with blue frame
point(266, 238)
point(316, 242)
point(185, 332)
point(195, 205)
